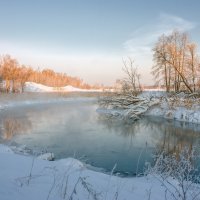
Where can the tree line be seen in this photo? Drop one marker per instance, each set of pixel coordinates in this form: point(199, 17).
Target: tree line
point(176, 63)
point(13, 76)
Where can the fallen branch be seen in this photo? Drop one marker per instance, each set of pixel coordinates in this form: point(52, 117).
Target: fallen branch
point(127, 106)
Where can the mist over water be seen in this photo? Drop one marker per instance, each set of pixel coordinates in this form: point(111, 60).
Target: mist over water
point(73, 128)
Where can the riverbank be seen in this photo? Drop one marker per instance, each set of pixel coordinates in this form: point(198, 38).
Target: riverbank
point(181, 107)
point(25, 177)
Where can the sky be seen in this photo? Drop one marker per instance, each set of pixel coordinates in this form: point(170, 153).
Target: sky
point(89, 38)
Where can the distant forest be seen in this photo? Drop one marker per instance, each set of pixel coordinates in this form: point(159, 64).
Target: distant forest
point(13, 77)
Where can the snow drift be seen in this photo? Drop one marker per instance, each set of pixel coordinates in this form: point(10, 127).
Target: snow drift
point(24, 177)
point(36, 87)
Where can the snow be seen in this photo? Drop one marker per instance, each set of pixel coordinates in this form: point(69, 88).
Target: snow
point(180, 107)
point(180, 111)
point(36, 87)
point(24, 177)
point(47, 156)
point(153, 89)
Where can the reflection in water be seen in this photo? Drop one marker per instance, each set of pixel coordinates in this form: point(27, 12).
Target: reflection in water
point(124, 128)
point(75, 128)
point(167, 135)
point(173, 132)
point(14, 126)
point(176, 135)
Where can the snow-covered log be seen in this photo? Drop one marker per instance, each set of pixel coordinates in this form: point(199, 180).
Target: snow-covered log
point(128, 106)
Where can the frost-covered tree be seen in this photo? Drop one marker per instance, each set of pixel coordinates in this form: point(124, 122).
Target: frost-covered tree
point(131, 81)
point(176, 62)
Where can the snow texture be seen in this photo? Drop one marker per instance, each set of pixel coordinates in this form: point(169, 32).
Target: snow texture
point(36, 87)
point(24, 177)
point(47, 156)
point(180, 107)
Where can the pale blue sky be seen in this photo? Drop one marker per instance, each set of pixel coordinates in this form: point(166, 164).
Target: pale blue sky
point(88, 38)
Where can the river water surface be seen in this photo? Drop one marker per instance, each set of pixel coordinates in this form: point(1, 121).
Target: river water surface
point(73, 128)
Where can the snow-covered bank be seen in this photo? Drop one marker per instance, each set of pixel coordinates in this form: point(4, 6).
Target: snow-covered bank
point(23, 177)
point(36, 87)
point(181, 107)
point(183, 114)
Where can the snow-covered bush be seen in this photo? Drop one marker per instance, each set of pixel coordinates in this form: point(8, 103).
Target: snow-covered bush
point(178, 174)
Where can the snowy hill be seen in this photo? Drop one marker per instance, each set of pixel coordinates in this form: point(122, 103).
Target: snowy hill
point(36, 87)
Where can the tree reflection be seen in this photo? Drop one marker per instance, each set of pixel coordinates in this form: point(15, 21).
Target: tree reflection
point(176, 136)
point(122, 127)
point(165, 135)
point(14, 126)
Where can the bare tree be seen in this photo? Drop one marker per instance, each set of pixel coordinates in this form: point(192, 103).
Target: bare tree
point(24, 74)
point(193, 64)
point(9, 68)
point(15, 75)
point(131, 83)
point(126, 97)
point(176, 62)
point(161, 70)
